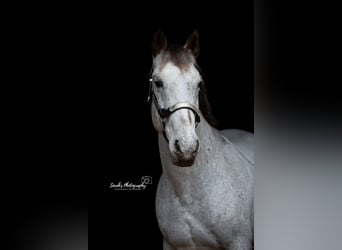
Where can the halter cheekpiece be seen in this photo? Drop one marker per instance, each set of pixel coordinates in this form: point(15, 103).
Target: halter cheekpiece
point(165, 113)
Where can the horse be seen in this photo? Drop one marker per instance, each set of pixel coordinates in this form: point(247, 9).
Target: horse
point(204, 198)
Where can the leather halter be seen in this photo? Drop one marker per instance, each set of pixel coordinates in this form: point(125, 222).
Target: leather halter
point(165, 113)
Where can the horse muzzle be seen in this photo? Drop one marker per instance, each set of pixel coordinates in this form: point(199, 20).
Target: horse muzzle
point(183, 155)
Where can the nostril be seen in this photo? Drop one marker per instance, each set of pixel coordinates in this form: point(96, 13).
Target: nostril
point(177, 146)
point(197, 145)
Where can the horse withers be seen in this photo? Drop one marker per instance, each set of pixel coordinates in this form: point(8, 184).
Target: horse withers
point(205, 193)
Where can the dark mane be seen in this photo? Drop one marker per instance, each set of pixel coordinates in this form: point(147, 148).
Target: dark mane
point(183, 59)
point(205, 106)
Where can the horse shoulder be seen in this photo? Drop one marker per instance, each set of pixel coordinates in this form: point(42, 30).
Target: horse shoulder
point(243, 142)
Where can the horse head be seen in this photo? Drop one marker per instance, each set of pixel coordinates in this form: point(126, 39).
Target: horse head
point(174, 92)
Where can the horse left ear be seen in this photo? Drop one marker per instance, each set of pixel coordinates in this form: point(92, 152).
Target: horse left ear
point(192, 43)
point(159, 43)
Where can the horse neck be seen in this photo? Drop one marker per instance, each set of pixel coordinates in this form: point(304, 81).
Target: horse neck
point(183, 179)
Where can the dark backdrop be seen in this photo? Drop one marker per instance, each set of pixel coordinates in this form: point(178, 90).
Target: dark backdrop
point(124, 144)
point(75, 117)
point(79, 120)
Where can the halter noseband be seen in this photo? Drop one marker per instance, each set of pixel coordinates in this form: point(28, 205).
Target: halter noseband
point(165, 113)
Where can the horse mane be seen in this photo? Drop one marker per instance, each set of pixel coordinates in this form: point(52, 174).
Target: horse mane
point(205, 106)
point(183, 59)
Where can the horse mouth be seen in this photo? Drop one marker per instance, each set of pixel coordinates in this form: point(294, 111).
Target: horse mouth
point(183, 162)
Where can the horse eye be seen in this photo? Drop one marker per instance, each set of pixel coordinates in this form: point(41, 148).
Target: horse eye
point(158, 84)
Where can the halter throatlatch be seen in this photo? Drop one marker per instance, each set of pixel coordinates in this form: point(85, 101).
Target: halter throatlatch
point(165, 113)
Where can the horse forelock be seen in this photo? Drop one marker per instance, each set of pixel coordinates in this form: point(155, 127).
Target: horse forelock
point(177, 55)
point(184, 60)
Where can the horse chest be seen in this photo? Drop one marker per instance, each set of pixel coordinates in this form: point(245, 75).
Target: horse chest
point(189, 221)
point(187, 227)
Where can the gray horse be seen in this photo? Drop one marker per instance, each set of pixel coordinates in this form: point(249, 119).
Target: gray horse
point(205, 193)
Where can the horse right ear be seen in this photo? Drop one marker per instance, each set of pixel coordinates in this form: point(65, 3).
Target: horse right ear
point(192, 44)
point(159, 43)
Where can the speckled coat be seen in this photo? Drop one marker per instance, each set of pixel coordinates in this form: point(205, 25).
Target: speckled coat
point(210, 204)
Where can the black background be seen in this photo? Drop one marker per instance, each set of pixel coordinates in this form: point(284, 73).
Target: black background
point(119, 62)
point(81, 118)
point(75, 115)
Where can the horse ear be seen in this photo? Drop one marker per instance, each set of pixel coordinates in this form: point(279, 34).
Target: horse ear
point(192, 43)
point(159, 43)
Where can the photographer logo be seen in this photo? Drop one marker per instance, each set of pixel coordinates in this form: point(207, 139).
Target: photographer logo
point(127, 185)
